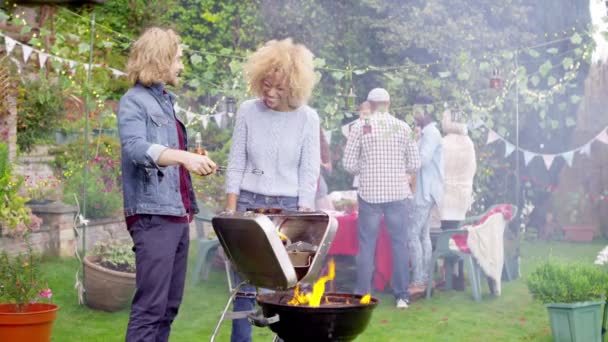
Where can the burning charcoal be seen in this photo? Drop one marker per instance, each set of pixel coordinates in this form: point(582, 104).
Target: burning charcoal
point(302, 246)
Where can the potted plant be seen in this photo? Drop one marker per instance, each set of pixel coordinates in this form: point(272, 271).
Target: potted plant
point(573, 211)
point(109, 276)
point(41, 189)
point(573, 296)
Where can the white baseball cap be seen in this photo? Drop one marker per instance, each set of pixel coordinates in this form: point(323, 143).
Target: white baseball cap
point(378, 95)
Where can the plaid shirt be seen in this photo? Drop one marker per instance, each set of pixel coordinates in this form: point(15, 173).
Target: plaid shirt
point(382, 154)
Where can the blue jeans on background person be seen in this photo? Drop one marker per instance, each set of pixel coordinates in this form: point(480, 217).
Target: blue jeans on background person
point(421, 250)
point(241, 328)
point(396, 215)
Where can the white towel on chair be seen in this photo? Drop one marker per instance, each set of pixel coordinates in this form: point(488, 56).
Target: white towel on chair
point(486, 242)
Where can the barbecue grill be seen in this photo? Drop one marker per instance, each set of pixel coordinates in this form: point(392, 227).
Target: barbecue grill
point(278, 250)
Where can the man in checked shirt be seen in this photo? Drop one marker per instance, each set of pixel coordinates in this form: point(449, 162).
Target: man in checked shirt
point(381, 149)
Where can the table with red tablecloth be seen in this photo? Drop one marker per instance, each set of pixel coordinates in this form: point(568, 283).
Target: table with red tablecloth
point(346, 243)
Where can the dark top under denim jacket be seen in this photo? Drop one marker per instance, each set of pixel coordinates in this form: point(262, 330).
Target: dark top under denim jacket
point(147, 126)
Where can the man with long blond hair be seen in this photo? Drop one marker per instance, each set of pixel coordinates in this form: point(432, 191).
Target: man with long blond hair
point(278, 134)
point(159, 202)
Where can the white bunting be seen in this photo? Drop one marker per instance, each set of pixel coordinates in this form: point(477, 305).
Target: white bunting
point(189, 117)
point(27, 52)
point(205, 121)
point(586, 149)
point(327, 135)
point(548, 159)
point(568, 157)
point(528, 156)
point(72, 64)
point(492, 137)
point(177, 108)
point(603, 137)
point(509, 148)
point(218, 119)
point(10, 44)
point(42, 57)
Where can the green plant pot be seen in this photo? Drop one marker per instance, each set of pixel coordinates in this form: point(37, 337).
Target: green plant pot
point(576, 322)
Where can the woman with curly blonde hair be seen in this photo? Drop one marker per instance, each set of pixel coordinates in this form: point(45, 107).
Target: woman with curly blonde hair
point(278, 134)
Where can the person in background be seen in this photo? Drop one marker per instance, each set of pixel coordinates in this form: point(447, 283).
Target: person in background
point(364, 111)
point(278, 134)
point(460, 164)
point(322, 201)
point(459, 170)
point(159, 202)
point(429, 192)
point(380, 149)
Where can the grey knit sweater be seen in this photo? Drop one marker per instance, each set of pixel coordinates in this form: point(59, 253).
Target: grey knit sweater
point(284, 145)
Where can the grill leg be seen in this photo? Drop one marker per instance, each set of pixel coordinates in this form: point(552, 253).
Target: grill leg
point(226, 308)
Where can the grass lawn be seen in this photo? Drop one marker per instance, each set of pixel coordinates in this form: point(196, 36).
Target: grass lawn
point(450, 316)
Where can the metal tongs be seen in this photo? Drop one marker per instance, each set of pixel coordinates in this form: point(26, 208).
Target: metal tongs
point(223, 169)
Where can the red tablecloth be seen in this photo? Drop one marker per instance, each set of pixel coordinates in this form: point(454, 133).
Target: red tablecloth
point(346, 243)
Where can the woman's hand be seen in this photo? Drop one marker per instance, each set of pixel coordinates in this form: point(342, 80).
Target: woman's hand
point(305, 209)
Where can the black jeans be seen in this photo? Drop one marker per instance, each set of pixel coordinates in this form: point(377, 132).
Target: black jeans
point(161, 257)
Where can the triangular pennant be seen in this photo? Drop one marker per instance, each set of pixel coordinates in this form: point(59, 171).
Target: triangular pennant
point(492, 137)
point(218, 119)
point(528, 156)
point(568, 157)
point(72, 64)
point(586, 149)
point(189, 117)
point(117, 73)
point(345, 130)
point(327, 136)
point(27, 52)
point(548, 158)
point(42, 57)
point(10, 44)
point(603, 137)
point(509, 148)
point(177, 108)
point(205, 121)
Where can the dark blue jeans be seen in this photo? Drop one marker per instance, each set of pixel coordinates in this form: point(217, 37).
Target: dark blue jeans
point(396, 216)
point(161, 258)
point(241, 328)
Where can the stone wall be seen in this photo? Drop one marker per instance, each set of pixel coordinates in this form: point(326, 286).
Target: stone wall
point(56, 236)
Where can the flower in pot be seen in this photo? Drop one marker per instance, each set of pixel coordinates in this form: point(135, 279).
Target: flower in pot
point(572, 294)
point(109, 276)
point(41, 189)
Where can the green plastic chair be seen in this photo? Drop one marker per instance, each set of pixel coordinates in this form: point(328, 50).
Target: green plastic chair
point(206, 247)
point(442, 250)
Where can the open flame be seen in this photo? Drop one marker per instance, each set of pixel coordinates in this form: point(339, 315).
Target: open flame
point(315, 297)
point(366, 299)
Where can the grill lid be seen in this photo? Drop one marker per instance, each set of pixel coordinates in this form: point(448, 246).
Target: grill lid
point(254, 247)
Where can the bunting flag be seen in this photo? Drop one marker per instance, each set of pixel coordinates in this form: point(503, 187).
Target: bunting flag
point(27, 52)
point(586, 149)
point(568, 157)
point(42, 57)
point(9, 44)
point(71, 64)
point(548, 159)
point(528, 156)
point(189, 117)
point(603, 137)
point(117, 73)
point(509, 148)
point(327, 136)
point(219, 118)
point(492, 137)
point(230, 114)
point(205, 121)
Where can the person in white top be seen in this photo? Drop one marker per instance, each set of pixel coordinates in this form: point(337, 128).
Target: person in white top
point(459, 170)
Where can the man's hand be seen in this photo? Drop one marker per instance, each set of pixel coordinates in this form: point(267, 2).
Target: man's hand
point(305, 209)
point(196, 163)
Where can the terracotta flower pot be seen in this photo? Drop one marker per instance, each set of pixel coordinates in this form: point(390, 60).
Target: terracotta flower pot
point(106, 289)
point(579, 233)
point(32, 325)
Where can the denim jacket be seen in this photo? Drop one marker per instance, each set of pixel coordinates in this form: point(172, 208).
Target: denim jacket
point(147, 126)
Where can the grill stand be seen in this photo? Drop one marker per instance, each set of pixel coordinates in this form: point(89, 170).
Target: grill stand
point(240, 314)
